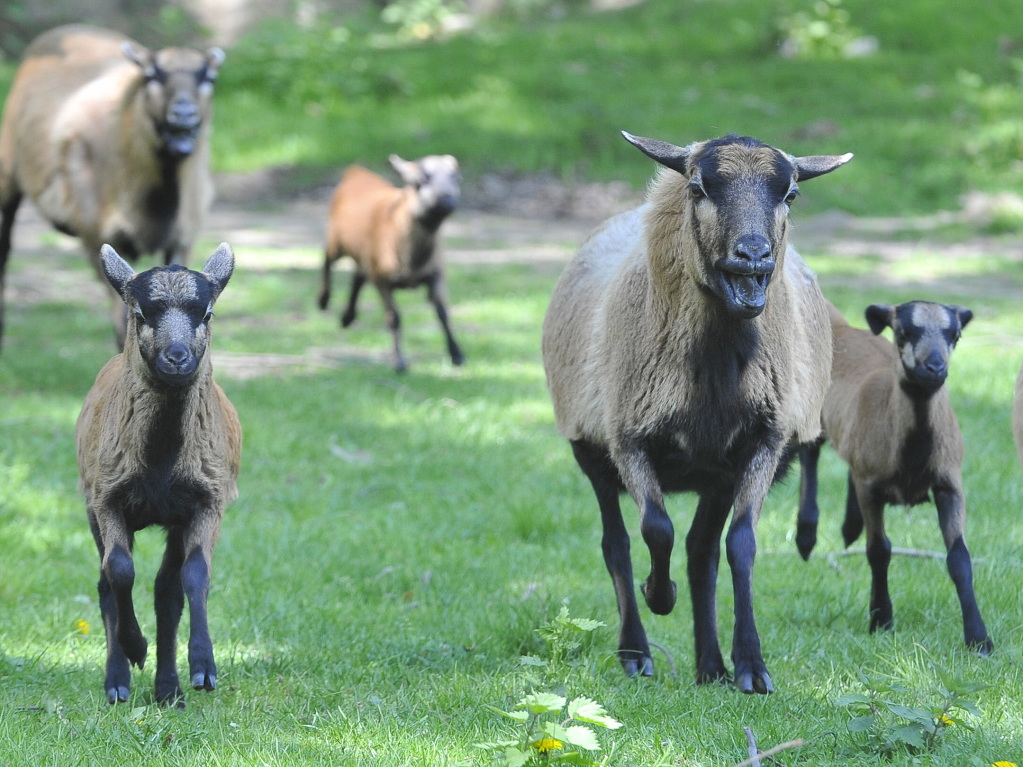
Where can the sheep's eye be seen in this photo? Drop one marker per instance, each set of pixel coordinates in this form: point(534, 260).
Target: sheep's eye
point(792, 195)
point(208, 316)
point(139, 316)
point(697, 190)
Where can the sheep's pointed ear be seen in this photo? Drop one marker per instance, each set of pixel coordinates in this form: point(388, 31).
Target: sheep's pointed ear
point(819, 164)
point(143, 57)
point(879, 317)
point(668, 155)
point(219, 267)
point(214, 58)
point(407, 169)
point(964, 315)
point(117, 271)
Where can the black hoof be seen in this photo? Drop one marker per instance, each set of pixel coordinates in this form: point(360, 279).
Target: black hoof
point(754, 683)
point(660, 601)
point(204, 681)
point(347, 319)
point(642, 667)
point(806, 538)
point(117, 694)
point(982, 647)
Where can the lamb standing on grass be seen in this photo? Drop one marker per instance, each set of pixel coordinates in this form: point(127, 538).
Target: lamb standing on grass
point(888, 416)
point(111, 142)
point(687, 348)
point(159, 444)
point(391, 234)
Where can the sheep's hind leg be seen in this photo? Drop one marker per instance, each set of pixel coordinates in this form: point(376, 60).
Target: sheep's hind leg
point(8, 210)
point(169, 597)
point(809, 512)
point(633, 648)
point(952, 518)
point(703, 550)
point(852, 525)
point(348, 315)
point(393, 324)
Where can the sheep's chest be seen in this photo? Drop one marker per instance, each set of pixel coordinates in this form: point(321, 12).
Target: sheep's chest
point(159, 498)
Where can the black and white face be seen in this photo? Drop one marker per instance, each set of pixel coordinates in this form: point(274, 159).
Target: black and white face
point(172, 309)
point(740, 191)
point(436, 179)
point(178, 90)
point(925, 334)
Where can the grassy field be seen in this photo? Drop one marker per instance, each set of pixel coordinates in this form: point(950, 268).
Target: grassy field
point(398, 541)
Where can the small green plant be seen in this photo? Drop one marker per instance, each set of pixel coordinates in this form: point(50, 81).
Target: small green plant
point(890, 726)
point(420, 19)
point(563, 636)
point(826, 32)
point(553, 730)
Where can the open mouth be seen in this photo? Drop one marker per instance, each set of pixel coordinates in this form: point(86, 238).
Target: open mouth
point(745, 285)
point(180, 142)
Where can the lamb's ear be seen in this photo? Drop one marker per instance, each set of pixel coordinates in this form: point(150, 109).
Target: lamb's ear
point(668, 155)
point(117, 271)
point(819, 164)
point(214, 58)
point(879, 317)
point(409, 171)
point(964, 315)
point(219, 267)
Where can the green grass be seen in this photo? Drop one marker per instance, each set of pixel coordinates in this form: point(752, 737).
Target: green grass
point(399, 539)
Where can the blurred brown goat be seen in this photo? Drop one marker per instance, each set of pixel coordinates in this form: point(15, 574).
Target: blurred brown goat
point(391, 234)
point(110, 141)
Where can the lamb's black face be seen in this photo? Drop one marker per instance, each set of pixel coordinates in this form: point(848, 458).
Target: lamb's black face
point(740, 191)
point(925, 334)
point(172, 309)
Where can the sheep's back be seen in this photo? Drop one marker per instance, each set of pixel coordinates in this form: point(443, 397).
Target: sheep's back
point(573, 320)
point(365, 218)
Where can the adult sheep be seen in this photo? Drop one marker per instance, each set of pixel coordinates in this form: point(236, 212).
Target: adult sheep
point(687, 348)
point(111, 143)
point(159, 443)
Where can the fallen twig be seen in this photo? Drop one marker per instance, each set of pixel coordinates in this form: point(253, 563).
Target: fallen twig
point(756, 754)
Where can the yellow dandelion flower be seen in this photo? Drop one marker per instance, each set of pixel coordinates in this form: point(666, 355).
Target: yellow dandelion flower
point(81, 626)
point(1004, 764)
point(547, 744)
point(945, 721)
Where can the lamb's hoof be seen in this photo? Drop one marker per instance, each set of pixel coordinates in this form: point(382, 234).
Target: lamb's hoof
point(982, 647)
point(203, 680)
point(134, 647)
point(642, 667)
point(168, 692)
point(347, 319)
point(117, 694)
point(660, 600)
point(457, 358)
point(806, 539)
point(754, 683)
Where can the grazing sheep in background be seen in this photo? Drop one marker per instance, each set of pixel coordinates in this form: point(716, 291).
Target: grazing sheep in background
point(110, 141)
point(887, 414)
point(687, 348)
point(159, 444)
point(391, 234)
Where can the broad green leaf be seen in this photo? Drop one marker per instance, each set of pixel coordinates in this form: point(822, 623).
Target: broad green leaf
point(861, 724)
point(969, 706)
point(586, 710)
point(515, 757)
point(543, 703)
point(585, 624)
point(910, 735)
point(577, 735)
point(919, 716)
point(518, 716)
point(852, 698)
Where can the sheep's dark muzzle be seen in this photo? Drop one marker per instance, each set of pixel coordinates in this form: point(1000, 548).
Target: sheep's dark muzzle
point(745, 284)
point(179, 141)
point(175, 366)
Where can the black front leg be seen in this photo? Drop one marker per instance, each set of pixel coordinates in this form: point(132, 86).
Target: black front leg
point(195, 579)
point(809, 513)
point(169, 599)
point(703, 550)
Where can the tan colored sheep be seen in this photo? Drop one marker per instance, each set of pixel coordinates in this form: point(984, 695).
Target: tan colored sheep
point(888, 416)
point(391, 235)
point(687, 349)
point(111, 143)
point(159, 444)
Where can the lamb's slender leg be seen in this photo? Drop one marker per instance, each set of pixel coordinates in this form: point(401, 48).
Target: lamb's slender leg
point(879, 556)
point(393, 320)
point(348, 315)
point(325, 279)
point(741, 546)
point(633, 649)
point(809, 513)
point(852, 525)
point(118, 673)
point(952, 519)
point(169, 598)
point(199, 539)
point(703, 550)
point(8, 210)
point(437, 295)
